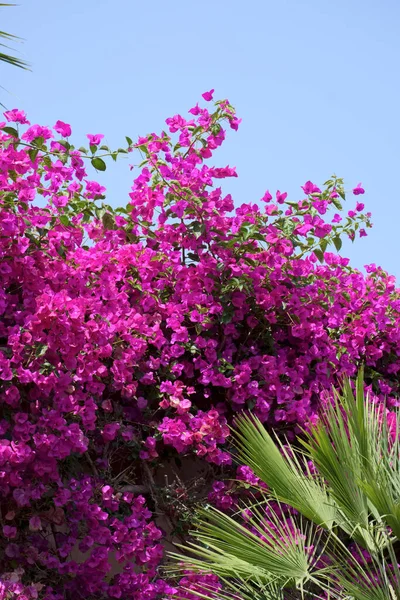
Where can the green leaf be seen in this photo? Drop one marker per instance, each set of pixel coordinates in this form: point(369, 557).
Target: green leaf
point(33, 152)
point(108, 221)
point(143, 148)
point(337, 242)
point(61, 251)
point(65, 144)
point(41, 350)
point(215, 129)
point(198, 228)
point(64, 220)
point(227, 315)
point(38, 142)
point(87, 216)
point(319, 254)
point(98, 163)
point(128, 139)
point(11, 131)
point(336, 202)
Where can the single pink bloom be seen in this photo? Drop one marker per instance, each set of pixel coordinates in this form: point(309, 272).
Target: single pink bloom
point(310, 188)
point(281, 197)
point(267, 197)
point(35, 523)
point(359, 206)
point(95, 139)
point(9, 531)
point(234, 123)
point(141, 402)
point(63, 128)
point(208, 95)
point(272, 209)
point(16, 116)
point(371, 268)
point(195, 110)
point(107, 406)
point(358, 190)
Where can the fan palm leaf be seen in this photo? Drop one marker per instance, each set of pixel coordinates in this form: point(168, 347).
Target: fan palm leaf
point(270, 553)
point(286, 475)
point(6, 39)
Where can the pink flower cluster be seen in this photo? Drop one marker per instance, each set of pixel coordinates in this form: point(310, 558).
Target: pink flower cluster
point(77, 537)
point(127, 334)
point(202, 432)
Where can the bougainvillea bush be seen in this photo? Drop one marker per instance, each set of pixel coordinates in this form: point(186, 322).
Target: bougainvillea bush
point(132, 335)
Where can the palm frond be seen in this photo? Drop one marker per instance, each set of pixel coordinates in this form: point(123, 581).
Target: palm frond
point(277, 552)
point(376, 579)
point(280, 468)
point(8, 58)
point(381, 481)
point(338, 447)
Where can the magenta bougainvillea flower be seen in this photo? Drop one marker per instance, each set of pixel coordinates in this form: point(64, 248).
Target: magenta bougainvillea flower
point(95, 139)
point(63, 129)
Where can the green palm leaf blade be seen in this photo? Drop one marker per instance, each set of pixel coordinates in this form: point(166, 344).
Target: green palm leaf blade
point(381, 480)
point(338, 448)
point(360, 580)
point(8, 58)
point(230, 550)
point(283, 472)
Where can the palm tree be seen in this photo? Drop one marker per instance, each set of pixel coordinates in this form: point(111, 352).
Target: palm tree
point(328, 526)
point(8, 37)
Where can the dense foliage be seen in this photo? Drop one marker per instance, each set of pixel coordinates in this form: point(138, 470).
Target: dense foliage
point(131, 335)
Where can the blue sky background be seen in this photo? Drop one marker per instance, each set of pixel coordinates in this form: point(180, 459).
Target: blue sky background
point(317, 84)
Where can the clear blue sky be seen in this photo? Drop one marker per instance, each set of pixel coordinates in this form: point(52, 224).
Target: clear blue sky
point(317, 83)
